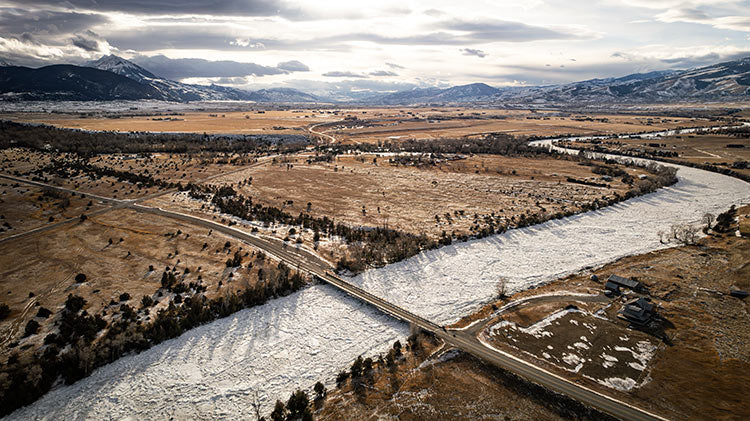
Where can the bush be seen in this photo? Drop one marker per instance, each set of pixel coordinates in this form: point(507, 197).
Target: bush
point(32, 327)
point(43, 312)
point(124, 296)
point(4, 311)
point(74, 303)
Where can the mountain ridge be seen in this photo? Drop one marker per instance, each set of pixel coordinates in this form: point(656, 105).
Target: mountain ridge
point(724, 81)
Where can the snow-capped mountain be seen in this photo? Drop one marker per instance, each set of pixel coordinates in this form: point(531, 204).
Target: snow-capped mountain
point(177, 91)
point(170, 89)
point(73, 83)
point(723, 81)
point(464, 93)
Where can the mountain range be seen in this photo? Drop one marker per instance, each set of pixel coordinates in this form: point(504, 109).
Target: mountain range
point(115, 78)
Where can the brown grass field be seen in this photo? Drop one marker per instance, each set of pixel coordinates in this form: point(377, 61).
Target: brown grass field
point(695, 148)
point(40, 270)
point(701, 372)
point(374, 124)
point(408, 198)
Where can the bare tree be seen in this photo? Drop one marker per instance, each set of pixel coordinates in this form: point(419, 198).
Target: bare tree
point(256, 405)
point(502, 288)
point(708, 219)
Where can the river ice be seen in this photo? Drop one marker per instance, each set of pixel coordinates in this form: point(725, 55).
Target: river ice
point(212, 371)
point(445, 284)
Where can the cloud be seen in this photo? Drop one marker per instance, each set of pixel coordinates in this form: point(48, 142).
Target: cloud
point(337, 73)
point(89, 41)
point(293, 66)
point(183, 68)
point(492, 30)
point(395, 66)
point(246, 43)
point(661, 56)
point(697, 16)
point(230, 81)
point(383, 73)
point(473, 52)
point(173, 7)
point(45, 22)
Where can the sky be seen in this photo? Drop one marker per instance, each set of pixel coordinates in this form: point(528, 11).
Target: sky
point(384, 45)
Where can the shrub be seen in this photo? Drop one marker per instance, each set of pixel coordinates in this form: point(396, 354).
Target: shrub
point(32, 327)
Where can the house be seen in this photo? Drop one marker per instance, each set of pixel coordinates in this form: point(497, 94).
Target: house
point(638, 311)
point(624, 282)
point(611, 288)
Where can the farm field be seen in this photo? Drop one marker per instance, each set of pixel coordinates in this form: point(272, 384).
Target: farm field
point(368, 125)
point(720, 150)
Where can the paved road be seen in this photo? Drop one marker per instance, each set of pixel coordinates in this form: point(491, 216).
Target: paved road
point(466, 341)
point(309, 262)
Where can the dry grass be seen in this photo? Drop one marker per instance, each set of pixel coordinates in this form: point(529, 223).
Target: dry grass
point(388, 122)
point(25, 207)
point(698, 149)
point(408, 198)
point(279, 122)
point(46, 265)
point(459, 388)
point(703, 371)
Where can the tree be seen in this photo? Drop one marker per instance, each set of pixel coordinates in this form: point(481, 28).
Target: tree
point(80, 278)
point(708, 219)
point(297, 404)
point(32, 327)
point(74, 303)
point(357, 367)
point(279, 412)
point(397, 349)
point(502, 288)
point(341, 378)
point(320, 391)
point(4, 311)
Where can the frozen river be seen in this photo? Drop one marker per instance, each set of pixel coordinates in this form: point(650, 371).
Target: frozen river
point(214, 371)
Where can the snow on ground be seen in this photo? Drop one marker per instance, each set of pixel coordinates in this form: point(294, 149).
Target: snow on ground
point(212, 372)
point(445, 284)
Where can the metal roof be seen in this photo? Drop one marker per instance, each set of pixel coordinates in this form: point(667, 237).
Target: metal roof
point(627, 282)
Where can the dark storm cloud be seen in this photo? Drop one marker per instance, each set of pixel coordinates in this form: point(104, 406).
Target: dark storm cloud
point(18, 21)
point(293, 66)
point(88, 41)
point(473, 52)
point(172, 7)
point(337, 73)
point(195, 67)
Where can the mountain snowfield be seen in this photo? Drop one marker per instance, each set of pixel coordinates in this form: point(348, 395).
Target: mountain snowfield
point(212, 372)
point(181, 92)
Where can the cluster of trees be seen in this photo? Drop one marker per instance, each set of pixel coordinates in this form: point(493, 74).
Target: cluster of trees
point(707, 167)
point(75, 166)
point(43, 137)
point(496, 144)
point(361, 372)
point(368, 246)
point(79, 347)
